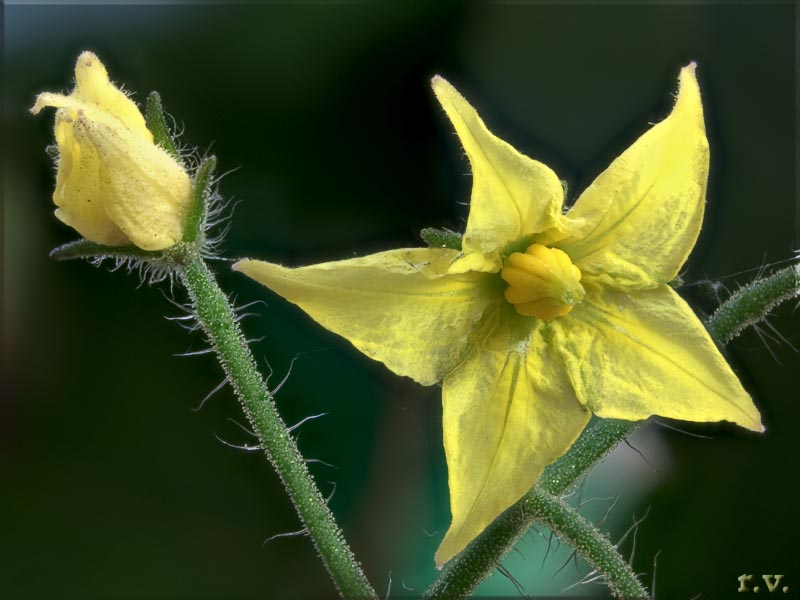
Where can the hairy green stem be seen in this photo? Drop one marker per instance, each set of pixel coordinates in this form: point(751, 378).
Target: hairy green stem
point(465, 572)
point(750, 304)
point(590, 543)
point(594, 444)
point(217, 319)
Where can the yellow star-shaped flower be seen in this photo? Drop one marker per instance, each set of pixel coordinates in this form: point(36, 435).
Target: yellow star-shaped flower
point(542, 318)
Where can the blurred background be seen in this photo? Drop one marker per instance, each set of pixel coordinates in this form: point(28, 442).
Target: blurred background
point(323, 116)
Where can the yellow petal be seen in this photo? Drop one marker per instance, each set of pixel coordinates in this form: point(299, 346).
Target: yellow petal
point(475, 261)
point(78, 194)
point(633, 356)
point(94, 88)
point(397, 307)
point(146, 193)
point(637, 222)
point(513, 196)
point(97, 97)
point(509, 411)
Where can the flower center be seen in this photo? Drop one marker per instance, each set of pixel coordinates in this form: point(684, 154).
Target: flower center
point(542, 283)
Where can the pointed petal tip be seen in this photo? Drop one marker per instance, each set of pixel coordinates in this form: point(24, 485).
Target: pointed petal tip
point(38, 105)
point(440, 85)
point(753, 424)
point(440, 560)
point(88, 68)
point(688, 101)
point(689, 72)
point(86, 58)
point(453, 544)
point(444, 90)
point(255, 269)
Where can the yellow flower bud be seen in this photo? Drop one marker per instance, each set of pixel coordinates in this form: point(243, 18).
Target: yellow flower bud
point(114, 185)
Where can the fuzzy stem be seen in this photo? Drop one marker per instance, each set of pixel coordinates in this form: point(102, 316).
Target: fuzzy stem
point(594, 444)
point(750, 304)
point(476, 563)
point(590, 543)
point(216, 317)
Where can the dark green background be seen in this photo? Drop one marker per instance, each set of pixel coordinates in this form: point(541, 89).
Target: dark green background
point(111, 487)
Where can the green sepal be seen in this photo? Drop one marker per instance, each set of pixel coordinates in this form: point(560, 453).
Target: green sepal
point(201, 196)
point(86, 249)
point(157, 124)
point(441, 238)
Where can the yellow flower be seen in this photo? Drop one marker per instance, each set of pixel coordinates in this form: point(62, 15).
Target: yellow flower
point(544, 317)
point(114, 185)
